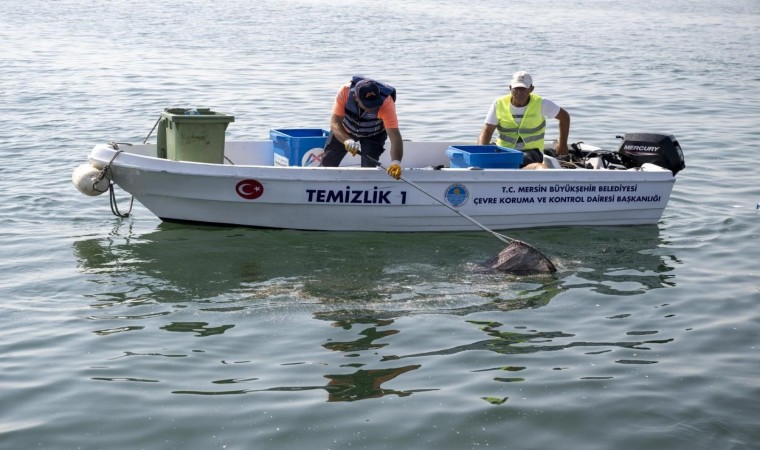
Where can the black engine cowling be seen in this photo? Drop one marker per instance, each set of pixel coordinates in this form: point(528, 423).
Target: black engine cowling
point(660, 149)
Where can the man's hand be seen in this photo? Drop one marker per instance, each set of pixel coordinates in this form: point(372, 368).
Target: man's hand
point(352, 146)
point(394, 169)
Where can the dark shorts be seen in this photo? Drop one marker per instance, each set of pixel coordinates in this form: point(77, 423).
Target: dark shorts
point(532, 156)
point(373, 147)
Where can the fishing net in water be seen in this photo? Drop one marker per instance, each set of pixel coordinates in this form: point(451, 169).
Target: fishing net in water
point(521, 259)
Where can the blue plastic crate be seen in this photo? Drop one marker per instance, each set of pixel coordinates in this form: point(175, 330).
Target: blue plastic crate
point(292, 145)
point(484, 156)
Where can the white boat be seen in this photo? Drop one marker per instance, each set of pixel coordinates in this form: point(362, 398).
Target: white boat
point(629, 186)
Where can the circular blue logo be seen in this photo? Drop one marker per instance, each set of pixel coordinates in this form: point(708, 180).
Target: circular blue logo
point(457, 195)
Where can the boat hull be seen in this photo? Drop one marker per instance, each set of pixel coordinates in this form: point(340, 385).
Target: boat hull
point(252, 192)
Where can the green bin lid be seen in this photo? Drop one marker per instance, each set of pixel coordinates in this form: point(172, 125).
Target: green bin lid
point(195, 115)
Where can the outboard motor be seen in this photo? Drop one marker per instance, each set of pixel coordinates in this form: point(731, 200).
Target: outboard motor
point(659, 149)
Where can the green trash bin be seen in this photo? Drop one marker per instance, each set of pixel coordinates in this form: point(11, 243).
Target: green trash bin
point(192, 135)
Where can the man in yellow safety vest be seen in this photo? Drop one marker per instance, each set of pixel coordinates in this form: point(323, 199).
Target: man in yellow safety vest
point(520, 120)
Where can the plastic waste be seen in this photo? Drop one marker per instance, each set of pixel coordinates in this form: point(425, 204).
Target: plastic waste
point(192, 112)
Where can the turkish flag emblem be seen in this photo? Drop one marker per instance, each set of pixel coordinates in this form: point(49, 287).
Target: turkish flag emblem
point(249, 189)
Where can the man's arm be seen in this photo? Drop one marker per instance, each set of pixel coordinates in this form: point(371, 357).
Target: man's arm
point(486, 134)
point(336, 127)
point(564, 130)
point(397, 144)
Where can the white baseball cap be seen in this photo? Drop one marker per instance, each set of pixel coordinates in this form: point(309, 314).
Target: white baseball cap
point(521, 79)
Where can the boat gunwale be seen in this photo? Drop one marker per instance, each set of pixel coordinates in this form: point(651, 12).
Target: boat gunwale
point(104, 154)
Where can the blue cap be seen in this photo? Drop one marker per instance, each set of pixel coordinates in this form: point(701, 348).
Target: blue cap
point(369, 94)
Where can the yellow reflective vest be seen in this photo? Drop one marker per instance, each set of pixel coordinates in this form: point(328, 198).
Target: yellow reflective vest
point(531, 128)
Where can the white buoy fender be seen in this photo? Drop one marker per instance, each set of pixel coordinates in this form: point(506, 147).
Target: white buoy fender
point(84, 177)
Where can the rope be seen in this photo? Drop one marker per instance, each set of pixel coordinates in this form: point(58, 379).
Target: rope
point(151, 130)
point(499, 236)
point(107, 172)
point(115, 207)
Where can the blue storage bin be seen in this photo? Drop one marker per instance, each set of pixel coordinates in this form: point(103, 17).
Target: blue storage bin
point(484, 156)
point(291, 145)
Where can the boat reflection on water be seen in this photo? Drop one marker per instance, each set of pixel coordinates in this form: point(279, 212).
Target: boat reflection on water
point(173, 263)
point(181, 262)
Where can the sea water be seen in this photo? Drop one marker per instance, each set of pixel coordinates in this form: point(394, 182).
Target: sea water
point(132, 333)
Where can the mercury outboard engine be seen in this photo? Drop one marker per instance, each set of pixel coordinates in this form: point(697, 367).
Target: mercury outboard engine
point(659, 149)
